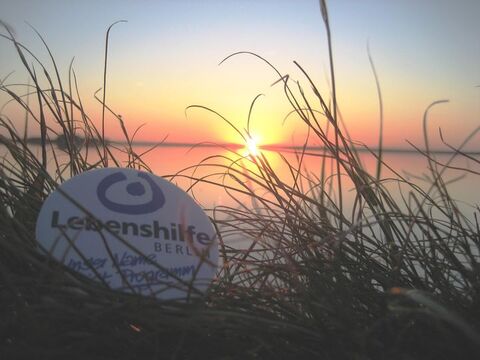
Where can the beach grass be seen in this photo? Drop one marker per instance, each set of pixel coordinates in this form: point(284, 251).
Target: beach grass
point(388, 279)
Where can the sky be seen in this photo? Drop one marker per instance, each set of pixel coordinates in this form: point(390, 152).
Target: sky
point(166, 58)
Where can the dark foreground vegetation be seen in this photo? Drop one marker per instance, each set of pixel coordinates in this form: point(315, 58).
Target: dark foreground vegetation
point(387, 280)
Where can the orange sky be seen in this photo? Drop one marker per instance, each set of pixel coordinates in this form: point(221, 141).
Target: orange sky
point(166, 58)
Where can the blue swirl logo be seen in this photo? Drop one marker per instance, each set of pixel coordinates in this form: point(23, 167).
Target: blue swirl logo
point(134, 189)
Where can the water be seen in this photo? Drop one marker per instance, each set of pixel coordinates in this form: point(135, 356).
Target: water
point(221, 169)
point(413, 167)
point(185, 165)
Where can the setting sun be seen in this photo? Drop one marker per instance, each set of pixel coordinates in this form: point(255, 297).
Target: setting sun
point(252, 146)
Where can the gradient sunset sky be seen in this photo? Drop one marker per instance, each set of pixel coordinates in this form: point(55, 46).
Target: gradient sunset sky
point(166, 57)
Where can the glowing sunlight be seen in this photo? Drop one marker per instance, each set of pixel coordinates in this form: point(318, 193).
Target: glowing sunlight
point(252, 146)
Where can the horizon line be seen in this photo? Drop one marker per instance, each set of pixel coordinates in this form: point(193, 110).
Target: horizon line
point(280, 147)
point(272, 147)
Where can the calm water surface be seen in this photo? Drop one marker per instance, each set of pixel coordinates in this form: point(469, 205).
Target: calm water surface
point(413, 167)
point(183, 165)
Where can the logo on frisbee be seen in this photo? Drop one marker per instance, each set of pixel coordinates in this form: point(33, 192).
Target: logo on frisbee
point(134, 189)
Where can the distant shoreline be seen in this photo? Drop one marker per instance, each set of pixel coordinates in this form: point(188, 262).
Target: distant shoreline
point(232, 146)
point(289, 147)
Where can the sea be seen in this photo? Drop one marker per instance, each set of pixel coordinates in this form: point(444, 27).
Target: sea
point(212, 174)
point(220, 177)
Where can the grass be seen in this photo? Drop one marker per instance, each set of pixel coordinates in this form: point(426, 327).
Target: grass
point(388, 279)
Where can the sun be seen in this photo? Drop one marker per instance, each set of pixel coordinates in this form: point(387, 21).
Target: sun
point(251, 146)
